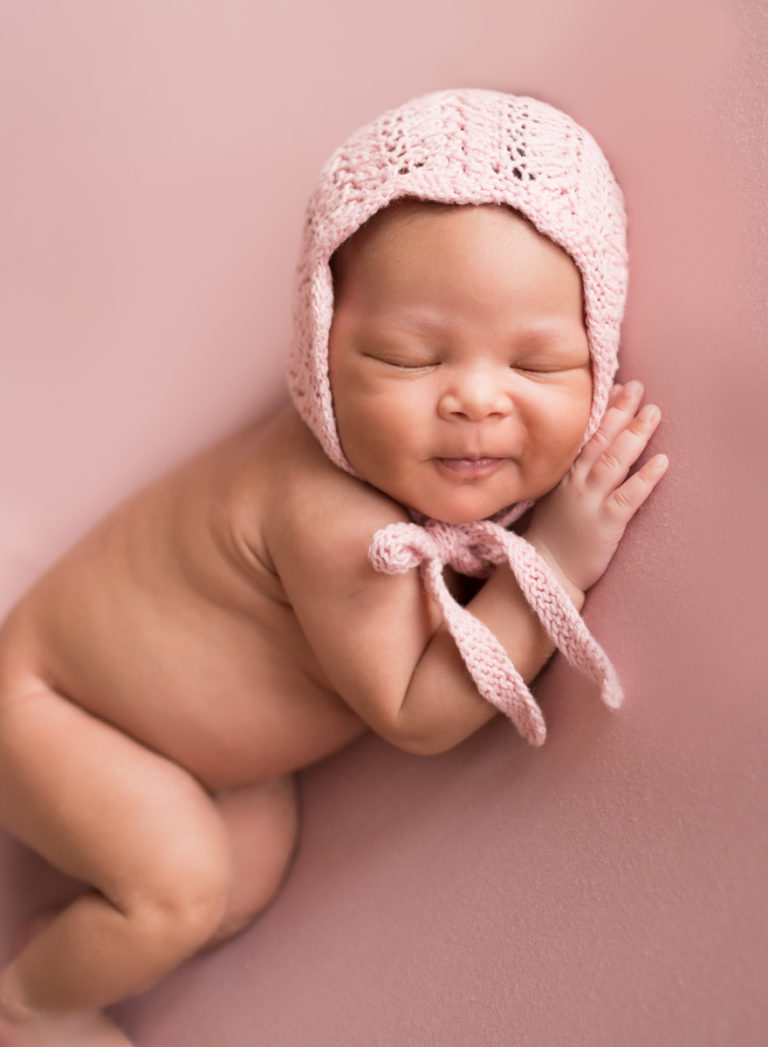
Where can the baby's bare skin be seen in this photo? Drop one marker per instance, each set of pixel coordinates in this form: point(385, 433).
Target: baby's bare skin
point(169, 621)
point(164, 650)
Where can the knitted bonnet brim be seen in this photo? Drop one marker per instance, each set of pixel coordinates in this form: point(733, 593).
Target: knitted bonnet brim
point(462, 147)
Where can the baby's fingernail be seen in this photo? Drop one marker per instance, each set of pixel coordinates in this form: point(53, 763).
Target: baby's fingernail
point(650, 413)
point(633, 388)
point(614, 392)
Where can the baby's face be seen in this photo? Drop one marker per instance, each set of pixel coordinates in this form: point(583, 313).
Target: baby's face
point(459, 362)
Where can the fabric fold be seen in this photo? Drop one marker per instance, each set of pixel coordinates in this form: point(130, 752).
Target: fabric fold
point(475, 549)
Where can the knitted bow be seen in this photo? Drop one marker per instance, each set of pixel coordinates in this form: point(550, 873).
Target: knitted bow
point(474, 549)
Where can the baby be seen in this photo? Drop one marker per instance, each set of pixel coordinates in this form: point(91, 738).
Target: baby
point(261, 606)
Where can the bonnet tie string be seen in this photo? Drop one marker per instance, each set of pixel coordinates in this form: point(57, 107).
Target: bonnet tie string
point(474, 549)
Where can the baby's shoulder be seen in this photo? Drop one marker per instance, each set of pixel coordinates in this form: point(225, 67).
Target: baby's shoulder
point(312, 504)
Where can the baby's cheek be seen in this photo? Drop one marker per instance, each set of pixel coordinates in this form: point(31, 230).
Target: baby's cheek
point(552, 455)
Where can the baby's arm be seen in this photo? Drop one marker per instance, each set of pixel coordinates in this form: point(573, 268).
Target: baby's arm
point(378, 638)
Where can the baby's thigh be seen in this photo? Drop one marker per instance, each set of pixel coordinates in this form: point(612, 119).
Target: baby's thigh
point(105, 810)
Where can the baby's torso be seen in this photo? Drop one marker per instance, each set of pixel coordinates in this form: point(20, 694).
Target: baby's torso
point(167, 621)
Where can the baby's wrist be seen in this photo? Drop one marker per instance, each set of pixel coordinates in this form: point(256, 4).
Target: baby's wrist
point(576, 595)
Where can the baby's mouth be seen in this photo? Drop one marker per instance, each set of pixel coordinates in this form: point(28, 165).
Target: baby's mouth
point(470, 467)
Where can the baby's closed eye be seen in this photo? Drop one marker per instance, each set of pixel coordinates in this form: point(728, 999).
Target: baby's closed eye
point(550, 360)
point(406, 359)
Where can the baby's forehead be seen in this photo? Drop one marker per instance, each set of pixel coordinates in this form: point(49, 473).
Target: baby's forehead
point(415, 247)
point(379, 231)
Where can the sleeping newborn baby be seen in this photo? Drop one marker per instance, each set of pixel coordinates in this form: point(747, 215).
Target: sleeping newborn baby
point(459, 300)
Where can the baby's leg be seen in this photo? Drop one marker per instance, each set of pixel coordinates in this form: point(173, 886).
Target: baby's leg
point(131, 824)
point(262, 823)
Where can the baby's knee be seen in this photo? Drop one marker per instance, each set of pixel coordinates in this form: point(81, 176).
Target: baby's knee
point(183, 897)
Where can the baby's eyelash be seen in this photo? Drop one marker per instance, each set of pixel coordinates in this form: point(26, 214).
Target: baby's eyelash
point(405, 365)
point(413, 366)
point(534, 368)
point(543, 368)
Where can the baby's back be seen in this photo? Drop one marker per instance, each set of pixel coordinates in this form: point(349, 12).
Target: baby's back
point(168, 621)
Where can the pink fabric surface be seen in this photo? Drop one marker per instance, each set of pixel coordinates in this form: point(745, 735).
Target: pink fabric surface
point(607, 888)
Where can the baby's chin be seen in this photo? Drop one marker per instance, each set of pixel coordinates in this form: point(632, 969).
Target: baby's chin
point(466, 507)
point(494, 498)
point(458, 513)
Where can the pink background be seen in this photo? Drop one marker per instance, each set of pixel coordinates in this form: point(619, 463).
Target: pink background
point(610, 888)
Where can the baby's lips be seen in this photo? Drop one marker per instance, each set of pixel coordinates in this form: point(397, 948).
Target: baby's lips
point(471, 466)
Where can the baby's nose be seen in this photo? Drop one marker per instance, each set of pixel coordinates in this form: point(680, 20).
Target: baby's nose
point(474, 397)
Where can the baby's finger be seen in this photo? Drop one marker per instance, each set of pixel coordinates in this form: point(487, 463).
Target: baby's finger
point(627, 499)
point(614, 463)
point(611, 467)
point(621, 411)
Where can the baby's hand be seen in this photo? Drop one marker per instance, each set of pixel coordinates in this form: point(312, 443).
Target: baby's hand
point(577, 527)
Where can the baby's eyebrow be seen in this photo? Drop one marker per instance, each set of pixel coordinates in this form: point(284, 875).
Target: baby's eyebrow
point(532, 334)
point(547, 331)
point(418, 319)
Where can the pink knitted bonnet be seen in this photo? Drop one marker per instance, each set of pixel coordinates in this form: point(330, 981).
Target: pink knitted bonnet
point(472, 147)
